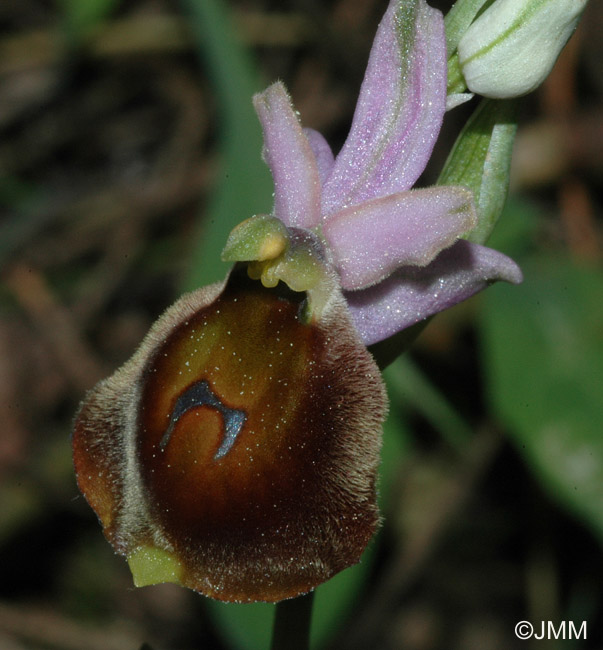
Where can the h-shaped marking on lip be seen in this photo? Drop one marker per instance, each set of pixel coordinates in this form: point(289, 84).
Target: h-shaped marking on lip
point(200, 394)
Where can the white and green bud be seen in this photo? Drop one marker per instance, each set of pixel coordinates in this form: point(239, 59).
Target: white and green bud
point(511, 48)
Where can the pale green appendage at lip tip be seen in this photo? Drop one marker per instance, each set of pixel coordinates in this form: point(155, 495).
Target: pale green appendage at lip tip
point(151, 565)
point(275, 255)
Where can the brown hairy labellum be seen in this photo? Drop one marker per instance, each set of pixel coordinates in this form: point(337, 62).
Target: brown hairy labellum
point(236, 452)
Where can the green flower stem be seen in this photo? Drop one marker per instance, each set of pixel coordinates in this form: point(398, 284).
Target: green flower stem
point(292, 623)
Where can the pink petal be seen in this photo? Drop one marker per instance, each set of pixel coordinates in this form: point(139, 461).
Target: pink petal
point(372, 240)
point(414, 293)
point(400, 109)
point(322, 153)
point(288, 154)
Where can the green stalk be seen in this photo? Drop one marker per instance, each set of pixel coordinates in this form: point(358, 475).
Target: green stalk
point(292, 623)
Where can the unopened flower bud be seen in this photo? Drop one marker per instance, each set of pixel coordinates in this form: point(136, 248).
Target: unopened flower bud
point(511, 48)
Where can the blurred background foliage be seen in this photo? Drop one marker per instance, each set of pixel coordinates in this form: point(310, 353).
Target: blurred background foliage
point(128, 149)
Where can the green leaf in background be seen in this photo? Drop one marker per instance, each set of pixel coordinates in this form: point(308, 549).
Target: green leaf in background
point(335, 599)
point(516, 232)
point(243, 626)
point(244, 186)
point(81, 17)
point(481, 160)
point(408, 385)
point(543, 359)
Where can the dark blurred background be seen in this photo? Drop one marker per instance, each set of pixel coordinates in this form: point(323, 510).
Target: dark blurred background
point(113, 158)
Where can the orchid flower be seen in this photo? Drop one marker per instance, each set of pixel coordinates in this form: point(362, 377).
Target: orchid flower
point(399, 251)
point(236, 452)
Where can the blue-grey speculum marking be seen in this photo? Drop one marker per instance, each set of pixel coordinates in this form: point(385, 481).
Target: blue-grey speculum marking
point(200, 394)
